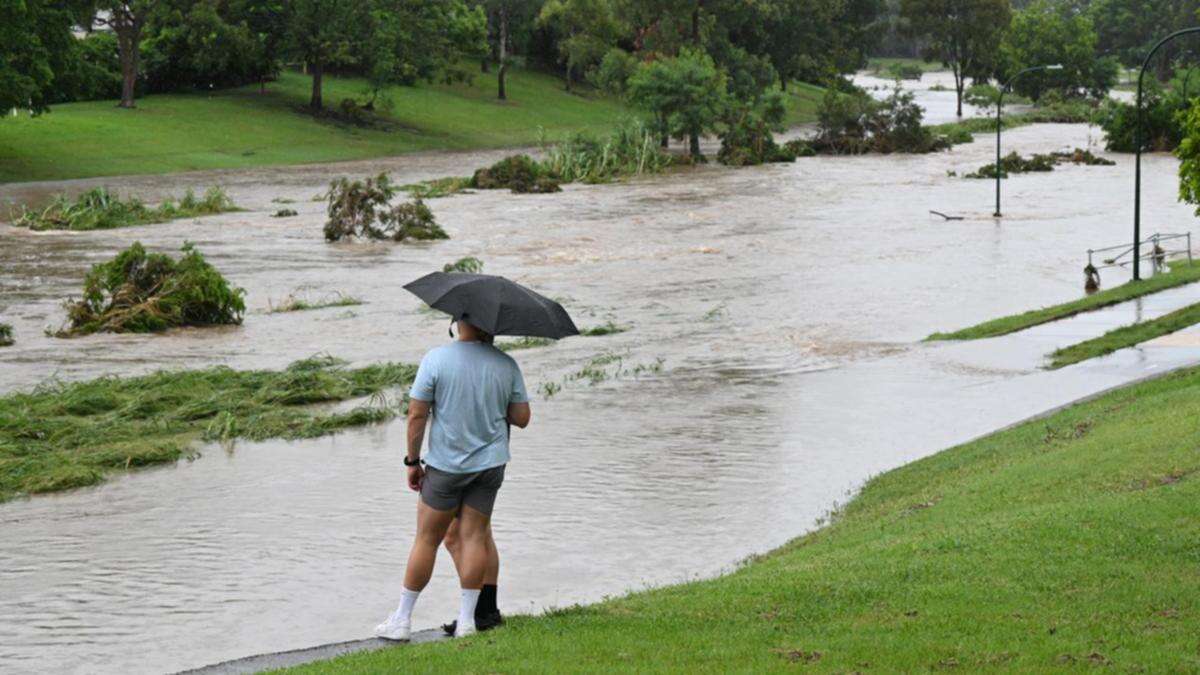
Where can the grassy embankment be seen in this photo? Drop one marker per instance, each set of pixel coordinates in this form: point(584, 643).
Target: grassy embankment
point(879, 65)
point(1126, 336)
point(1179, 274)
point(243, 128)
point(1065, 543)
point(62, 436)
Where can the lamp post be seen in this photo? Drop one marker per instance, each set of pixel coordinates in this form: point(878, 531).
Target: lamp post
point(1137, 148)
point(999, 106)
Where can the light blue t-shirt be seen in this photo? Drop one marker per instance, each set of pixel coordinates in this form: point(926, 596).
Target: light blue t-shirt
point(469, 386)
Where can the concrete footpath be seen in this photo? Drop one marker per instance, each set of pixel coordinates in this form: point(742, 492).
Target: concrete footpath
point(296, 657)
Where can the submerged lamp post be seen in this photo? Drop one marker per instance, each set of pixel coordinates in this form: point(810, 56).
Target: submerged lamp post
point(999, 106)
point(1137, 148)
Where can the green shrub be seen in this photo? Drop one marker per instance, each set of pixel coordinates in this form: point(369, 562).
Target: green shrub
point(469, 265)
point(905, 71)
point(98, 209)
point(518, 173)
point(140, 292)
point(1162, 128)
point(630, 150)
point(852, 123)
point(747, 137)
point(614, 70)
point(362, 208)
point(6, 335)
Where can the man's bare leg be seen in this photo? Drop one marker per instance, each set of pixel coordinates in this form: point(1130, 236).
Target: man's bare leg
point(453, 545)
point(473, 557)
point(431, 528)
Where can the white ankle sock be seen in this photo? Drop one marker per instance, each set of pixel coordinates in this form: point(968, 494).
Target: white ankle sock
point(466, 609)
point(408, 599)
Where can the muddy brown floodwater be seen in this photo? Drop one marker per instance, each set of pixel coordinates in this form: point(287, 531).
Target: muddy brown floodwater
point(786, 303)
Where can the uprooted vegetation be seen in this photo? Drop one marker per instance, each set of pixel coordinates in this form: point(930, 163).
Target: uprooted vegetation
point(854, 123)
point(140, 292)
point(518, 173)
point(99, 209)
point(469, 264)
point(606, 328)
point(1015, 163)
point(363, 209)
point(6, 335)
point(63, 436)
point(302, 303)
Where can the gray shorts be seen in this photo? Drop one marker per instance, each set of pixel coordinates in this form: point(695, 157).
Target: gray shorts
point(447, 491)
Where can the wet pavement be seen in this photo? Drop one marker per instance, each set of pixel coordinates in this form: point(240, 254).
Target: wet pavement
point(787, 304)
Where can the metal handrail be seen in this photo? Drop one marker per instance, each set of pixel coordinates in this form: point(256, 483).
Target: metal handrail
point(1157, 254)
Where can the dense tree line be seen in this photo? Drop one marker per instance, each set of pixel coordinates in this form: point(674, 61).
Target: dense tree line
point(87, 49)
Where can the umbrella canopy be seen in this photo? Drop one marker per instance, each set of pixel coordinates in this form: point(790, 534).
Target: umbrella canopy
point(494, 304)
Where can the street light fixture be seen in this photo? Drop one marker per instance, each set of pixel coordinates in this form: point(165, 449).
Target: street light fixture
point(999, 106)
point(1137, 148)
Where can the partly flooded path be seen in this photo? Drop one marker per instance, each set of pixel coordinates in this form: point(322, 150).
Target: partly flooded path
point(786, 303)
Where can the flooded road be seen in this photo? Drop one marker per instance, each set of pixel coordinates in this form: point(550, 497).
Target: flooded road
point(786, 304)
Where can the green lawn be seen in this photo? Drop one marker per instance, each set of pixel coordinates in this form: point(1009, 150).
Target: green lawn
point(1067, 543)
point(1180, 273)
point(1126, 336)
point(245, 128)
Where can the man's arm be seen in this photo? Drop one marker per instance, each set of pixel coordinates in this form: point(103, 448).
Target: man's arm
point(418, 415)
point(518, 414)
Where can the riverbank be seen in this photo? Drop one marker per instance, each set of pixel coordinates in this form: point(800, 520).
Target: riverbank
point(244, 127)
point(1064, 542)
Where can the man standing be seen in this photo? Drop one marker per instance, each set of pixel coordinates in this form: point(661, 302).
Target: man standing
point(473, 392)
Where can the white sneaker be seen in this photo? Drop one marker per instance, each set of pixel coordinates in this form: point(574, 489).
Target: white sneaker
point(463, 631)
point(394, 628)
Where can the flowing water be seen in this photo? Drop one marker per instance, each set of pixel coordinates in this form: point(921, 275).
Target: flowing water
point(786, 304)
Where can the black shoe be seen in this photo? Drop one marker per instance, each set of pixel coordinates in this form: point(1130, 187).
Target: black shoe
point(482, 622)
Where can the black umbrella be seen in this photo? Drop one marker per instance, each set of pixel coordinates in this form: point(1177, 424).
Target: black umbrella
point(494, 304)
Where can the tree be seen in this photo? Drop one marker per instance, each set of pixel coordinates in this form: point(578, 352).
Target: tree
point(1128, 29)
point(962, 34)
point(413, 40)
point(36, 45)
point(326, 33)
point(1044, 33)
point(198, 44)
point(685, 95)
point(1189, 158)
point(126, 19)
point(586, 29)
point(505, 19)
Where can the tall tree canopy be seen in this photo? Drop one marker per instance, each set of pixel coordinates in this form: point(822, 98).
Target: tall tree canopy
point(1046, 33)
point(36, 44)
point(964, 35)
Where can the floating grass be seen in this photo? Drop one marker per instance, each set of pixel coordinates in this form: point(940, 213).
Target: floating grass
point(99, 209)
point(438, 187)
point(66, 435)
point(6, 335)
point(469, 264)
point(608, 328)
point(294, 303)
point(1126, 336)
point(523, 343)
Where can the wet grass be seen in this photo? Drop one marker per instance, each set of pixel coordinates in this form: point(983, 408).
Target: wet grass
point(242, 128)
point(1126, 336)
point(438, 187)
point(1180, 273)
point(67, 435)
point(1067, 543)
point(607, 328)
point(99, 209)
point(294, 303)
point(523, 343)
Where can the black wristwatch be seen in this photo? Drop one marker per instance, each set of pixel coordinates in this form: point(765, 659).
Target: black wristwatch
point(408, 463)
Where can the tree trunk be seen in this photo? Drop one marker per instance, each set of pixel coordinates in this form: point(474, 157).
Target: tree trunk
point(484, 66)
point(696, 24)
point(694, 145)
point(318, 69)
point(958, 89)
point(783, 83)
point(128, 42)
point(502, 53)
